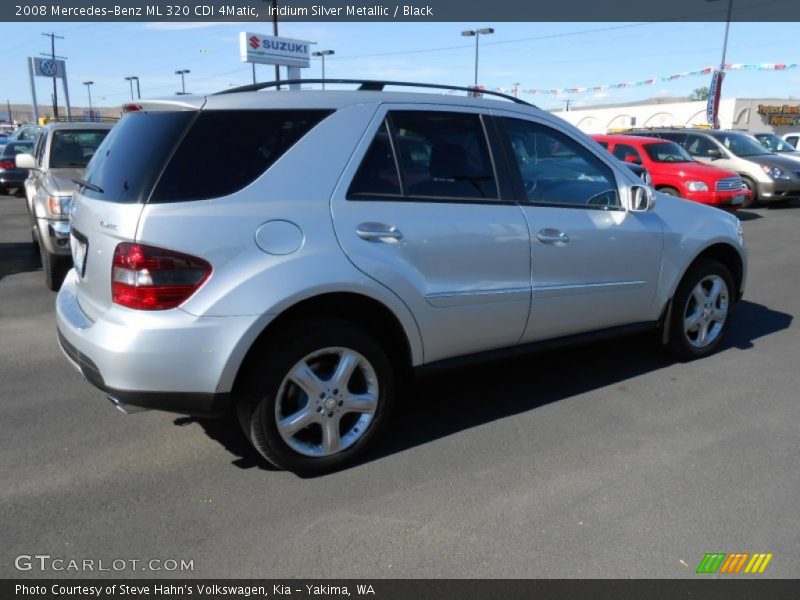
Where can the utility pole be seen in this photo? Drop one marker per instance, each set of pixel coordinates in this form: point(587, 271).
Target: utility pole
point(275, 33)
point(8, 107)
point(567, 102)
point(53, 37)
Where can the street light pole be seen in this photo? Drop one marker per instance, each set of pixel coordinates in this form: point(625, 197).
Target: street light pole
point(322, 54)
point(130, 81)
point(89, 85)
point(182, 72)
point(477, 33)
point(138, 90)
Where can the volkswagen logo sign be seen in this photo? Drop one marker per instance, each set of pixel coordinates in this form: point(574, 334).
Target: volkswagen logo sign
point(48, 68)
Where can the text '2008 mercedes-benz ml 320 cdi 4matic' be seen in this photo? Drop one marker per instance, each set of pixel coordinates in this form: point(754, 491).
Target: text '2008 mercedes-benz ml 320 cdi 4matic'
point(345, 238)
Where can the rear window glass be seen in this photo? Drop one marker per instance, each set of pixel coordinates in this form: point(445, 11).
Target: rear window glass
point(224, 151)
point(15, 148)
point(128, 162)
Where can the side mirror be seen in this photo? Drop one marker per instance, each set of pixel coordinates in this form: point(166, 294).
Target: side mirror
point(713, 153)
point(642, 198)
point(25, 161)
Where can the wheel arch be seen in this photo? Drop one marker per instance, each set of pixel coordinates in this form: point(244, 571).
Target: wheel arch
point(725, 253)
point(371, 314)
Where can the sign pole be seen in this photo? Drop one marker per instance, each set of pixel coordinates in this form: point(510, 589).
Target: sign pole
point(33, 91)
point(66, 90)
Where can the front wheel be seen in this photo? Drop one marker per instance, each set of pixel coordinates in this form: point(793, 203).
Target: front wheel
point(317, 397)
point(702, 309)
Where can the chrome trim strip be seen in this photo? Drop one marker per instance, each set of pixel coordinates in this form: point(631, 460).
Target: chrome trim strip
point(556, 291)
point(472, 297)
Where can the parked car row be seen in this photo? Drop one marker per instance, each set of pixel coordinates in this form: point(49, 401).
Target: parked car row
point(703, 164)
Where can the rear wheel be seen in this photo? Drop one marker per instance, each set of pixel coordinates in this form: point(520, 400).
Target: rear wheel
point(54, 267)
point(702, 309)
point(317, 397)
point(752, 201)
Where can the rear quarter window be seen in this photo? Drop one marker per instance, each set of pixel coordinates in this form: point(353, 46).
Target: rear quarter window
point(226, 150)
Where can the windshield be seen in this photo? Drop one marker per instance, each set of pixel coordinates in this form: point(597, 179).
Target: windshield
point(74, 147)
point(774, 143)
point(741, 144)
point(667, 152)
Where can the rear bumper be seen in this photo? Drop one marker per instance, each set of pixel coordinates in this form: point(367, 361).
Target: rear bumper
point(162, 360)
point(13, 177)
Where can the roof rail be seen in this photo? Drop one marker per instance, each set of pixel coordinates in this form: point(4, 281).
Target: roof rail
point(371, 85)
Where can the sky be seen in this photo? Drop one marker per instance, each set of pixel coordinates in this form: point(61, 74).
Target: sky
point(535, 55)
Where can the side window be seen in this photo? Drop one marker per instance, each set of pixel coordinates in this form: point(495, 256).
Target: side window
point(443, 155)
point(557, 171)
point(698, 145)
point(628, 154)
point(377, 175)
point(792, 139)
point(603, 144)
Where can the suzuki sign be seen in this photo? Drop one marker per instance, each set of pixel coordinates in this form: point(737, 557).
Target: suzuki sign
point(271, 50)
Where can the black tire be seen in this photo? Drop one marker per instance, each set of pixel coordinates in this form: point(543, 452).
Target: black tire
point(751, 202)
point(3, 190)
point(670, 191)
point(265, 373)
point(54, 267)
point(679, 340)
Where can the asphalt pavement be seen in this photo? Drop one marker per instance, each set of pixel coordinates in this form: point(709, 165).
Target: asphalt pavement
point(611, 460)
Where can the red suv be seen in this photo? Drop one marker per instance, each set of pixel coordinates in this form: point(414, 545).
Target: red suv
point(675, 172)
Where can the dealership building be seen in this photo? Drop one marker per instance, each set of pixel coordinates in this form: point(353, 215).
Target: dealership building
point(777, 115)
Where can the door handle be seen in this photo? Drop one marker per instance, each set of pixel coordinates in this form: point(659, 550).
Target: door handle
point(378, 232)
point(552, 236)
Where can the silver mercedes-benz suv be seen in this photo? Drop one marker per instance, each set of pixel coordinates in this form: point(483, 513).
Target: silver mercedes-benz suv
point(340, 240)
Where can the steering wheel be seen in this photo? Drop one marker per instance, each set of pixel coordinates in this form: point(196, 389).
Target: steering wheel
point(601, 199)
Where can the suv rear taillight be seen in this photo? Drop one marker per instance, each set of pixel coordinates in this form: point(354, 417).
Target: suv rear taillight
point(149, 278)
point(7, 164)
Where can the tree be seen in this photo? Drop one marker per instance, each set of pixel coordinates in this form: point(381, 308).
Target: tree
point(700, 93)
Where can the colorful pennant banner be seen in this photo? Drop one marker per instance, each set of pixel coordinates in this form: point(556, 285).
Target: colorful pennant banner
point(655, 80)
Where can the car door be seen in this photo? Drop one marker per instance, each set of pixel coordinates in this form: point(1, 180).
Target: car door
point(425, 209)
point(595, 264)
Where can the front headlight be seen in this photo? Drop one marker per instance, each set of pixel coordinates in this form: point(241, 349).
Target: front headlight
point(59, 205)
point(696, 186)
point(774, 172)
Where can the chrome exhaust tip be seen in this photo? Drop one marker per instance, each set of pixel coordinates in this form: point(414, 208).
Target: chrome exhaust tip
point(128, 409)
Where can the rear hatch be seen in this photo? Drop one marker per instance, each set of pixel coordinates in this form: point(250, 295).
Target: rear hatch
point(121, 176)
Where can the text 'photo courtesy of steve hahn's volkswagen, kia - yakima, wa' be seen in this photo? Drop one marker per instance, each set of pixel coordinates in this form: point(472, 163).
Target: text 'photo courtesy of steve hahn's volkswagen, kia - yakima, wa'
point(432, 230)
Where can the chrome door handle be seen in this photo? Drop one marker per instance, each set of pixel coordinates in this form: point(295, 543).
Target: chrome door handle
point(378, 232)
point(552, 236)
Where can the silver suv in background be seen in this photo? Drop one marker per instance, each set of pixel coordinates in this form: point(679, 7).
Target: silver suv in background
point(62, 151)
point(348, 238)
point(771, 179)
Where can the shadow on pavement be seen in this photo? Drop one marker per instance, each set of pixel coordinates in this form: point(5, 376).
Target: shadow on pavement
point(744, 215)
point(447, 402)
point(19, 257)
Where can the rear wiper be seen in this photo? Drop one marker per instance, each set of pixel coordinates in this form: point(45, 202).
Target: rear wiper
point(86, 184)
